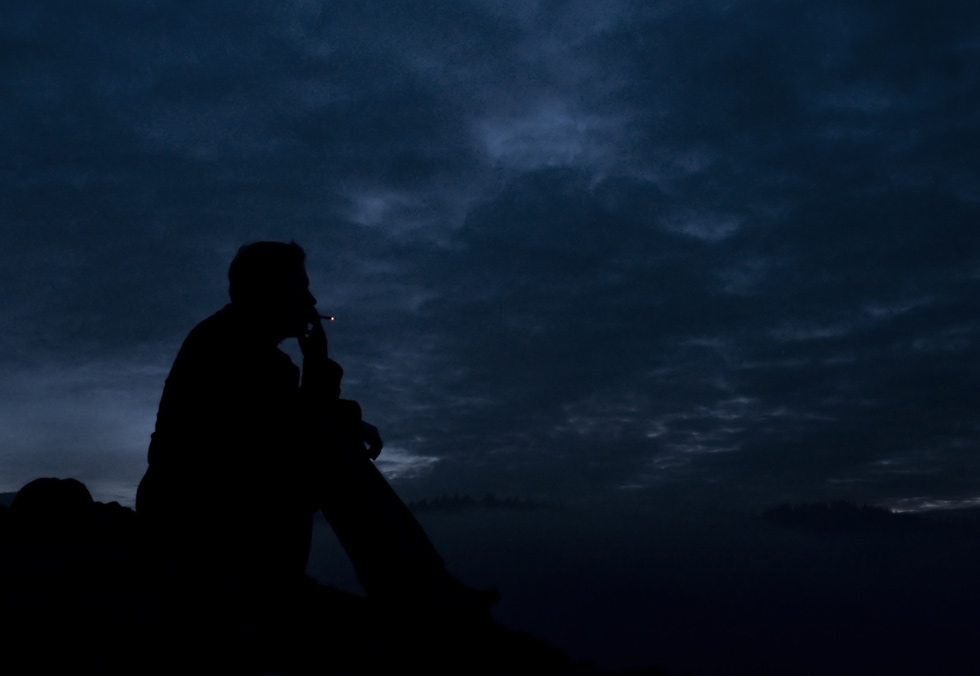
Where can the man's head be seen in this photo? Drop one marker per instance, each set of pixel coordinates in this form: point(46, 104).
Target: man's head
point(268, 279)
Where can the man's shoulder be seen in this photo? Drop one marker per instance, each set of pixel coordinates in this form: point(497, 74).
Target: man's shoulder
point(225, 340)
point(211, 338)
point(221, 321)
point(208, 330)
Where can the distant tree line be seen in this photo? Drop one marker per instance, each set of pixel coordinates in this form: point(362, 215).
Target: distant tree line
point(456, 502)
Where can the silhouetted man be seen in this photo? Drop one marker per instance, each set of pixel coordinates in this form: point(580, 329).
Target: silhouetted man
point(247, 448)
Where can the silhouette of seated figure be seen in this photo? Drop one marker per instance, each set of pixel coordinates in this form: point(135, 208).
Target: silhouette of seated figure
point(247, 447)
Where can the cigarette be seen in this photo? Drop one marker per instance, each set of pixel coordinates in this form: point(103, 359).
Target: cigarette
point(327, 317)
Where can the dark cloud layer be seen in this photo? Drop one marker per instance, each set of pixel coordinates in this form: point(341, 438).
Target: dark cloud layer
point(574, 247)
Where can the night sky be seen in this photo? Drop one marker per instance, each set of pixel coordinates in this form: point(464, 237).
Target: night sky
point(579, 252)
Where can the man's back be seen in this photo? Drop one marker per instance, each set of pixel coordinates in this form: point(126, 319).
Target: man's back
point(230, 454)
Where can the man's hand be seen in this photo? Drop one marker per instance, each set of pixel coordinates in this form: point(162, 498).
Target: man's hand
point(372, 440)
point(313, 343)
point(320, 373)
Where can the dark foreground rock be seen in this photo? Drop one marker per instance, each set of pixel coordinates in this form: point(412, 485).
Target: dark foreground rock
point(79, 594)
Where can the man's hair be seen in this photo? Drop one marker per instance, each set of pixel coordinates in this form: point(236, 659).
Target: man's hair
point(260, 269)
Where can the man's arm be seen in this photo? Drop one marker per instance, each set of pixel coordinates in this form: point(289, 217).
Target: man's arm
point(321, 381)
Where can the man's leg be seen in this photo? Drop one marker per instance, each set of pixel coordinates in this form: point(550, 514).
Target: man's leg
point(392, 555)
